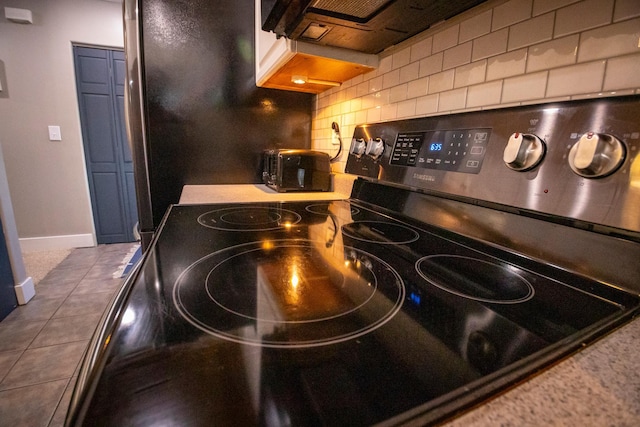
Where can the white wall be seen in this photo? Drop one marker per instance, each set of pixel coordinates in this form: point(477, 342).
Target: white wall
point(501, 53)
point(47, 180)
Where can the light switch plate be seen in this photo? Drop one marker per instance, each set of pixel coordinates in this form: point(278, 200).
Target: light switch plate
point(54, 133)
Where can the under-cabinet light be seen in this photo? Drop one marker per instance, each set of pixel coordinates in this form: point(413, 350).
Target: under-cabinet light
point(300, 80)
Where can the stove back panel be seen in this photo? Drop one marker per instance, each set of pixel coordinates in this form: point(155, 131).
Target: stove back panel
point(461, 156)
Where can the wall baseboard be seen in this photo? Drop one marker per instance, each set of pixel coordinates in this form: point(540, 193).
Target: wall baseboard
point(25, 291)
point(57, 242)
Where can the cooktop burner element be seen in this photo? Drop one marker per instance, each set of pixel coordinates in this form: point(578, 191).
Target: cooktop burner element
point(323, 208)
point(249, 218)
point(390, 318)
point(475, 279)
point(380, 232)
point(288, 293)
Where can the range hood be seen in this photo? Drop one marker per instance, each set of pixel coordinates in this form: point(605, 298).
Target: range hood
point(368, 26)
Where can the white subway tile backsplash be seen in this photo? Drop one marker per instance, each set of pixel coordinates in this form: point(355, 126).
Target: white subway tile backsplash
point(398, 93)
point(476, 26)
point(522, 88)
point(349, 119)
point(418, 87)
point(355, 104)
point(362, 89)
point(323, 102)
point(530, 32)
point(373, 115)
point(427, 105)
point(385, 65)
point(407, 108)
point(583, 16)
point(544, 6)
point(400, 59)
point(381, 98)
point(512, 52)
point(614, 40)
point(453, 100)
point(390, 79)
point(389, 112)
point(490, 45)
point(470, 74)
point(510, 13)
point(622, 73)
point(409, 72)
point(484, 94)
point(553, 54)
point(350, 93)
point(445, 39)
point(626, 9)
point(582, 78)
point(457, 56)
point(441, 81)
point(507, 65)
point(421, 49)
point(431, 65)
point(375, 85)
point(368, 102)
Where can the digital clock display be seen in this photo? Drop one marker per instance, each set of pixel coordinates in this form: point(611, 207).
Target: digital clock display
point(459, 150)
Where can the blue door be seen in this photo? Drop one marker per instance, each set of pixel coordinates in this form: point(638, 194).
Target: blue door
point(8, 299)
point(100, 79)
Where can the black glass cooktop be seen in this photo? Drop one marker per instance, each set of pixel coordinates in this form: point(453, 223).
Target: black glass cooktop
point(329, 313)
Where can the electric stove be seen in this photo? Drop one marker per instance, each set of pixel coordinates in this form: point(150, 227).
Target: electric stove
point(406, 304)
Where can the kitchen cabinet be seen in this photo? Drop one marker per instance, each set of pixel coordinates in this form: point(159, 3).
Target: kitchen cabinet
point(279, 61)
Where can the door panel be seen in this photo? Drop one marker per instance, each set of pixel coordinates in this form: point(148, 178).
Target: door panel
point(98, 118)
point(107, 186)
point(100, 76)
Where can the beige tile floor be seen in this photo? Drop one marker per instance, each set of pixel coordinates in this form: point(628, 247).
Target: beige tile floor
point(42, 343)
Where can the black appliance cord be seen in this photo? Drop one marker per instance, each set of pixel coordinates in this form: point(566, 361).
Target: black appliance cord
point(336, 129)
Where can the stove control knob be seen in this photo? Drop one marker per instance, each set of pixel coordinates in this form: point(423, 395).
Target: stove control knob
point(596, 155)
point(358, 147)
point(375, 148)
point(524, 151)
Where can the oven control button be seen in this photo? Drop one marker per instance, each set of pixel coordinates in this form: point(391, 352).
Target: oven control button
point(596, 155)
point(524, 151)
point(375, 148)
point(358, 147)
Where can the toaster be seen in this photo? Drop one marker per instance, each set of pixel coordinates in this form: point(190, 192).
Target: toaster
point(296, 170)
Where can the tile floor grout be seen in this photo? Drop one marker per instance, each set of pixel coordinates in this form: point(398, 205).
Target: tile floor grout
point(42, 343)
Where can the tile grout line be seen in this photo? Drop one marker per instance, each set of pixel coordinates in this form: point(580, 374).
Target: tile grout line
point(105, 259)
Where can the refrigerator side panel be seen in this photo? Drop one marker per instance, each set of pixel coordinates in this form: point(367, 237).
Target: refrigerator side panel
point(135, 123)
point(207, 122)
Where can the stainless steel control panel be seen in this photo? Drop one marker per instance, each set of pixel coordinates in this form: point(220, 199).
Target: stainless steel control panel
point(460, 150)
point(577, 160)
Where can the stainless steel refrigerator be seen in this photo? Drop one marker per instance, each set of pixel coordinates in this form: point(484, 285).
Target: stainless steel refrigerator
point(194, 113)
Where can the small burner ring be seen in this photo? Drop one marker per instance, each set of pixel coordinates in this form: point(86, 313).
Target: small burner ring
point(249, 218)
point(323, 208)
point(475, 279)
point(385, 233)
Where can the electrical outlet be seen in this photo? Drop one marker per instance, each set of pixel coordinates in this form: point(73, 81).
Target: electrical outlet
point(54, 133)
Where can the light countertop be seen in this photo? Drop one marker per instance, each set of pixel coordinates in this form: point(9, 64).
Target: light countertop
point(598, 386)
point(240, 193)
